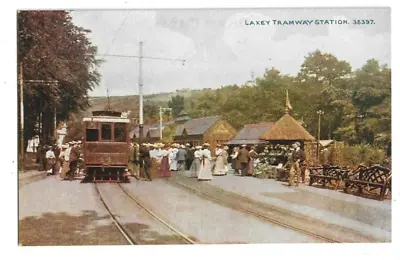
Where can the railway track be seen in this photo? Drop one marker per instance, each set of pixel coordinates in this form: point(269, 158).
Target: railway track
point(320, 230)
point(130, 234)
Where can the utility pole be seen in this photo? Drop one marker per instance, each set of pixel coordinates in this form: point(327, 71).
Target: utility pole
point(162, 109)
point(21, 114)
point(108, 100)
point(140, 94)
point(319, 112)
point(55, 124)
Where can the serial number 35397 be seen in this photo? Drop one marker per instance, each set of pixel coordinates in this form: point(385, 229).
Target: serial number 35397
point(369, 21)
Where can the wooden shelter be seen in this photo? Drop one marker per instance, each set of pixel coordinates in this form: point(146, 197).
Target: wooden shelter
point(213, 130)
point(287, 130)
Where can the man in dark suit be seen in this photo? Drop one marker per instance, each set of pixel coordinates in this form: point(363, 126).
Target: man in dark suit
point(181, 158)
point(298, 157)
point(190, 156)
point(145, 160)
point(243, 158)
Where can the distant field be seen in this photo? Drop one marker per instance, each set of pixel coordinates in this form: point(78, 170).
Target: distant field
point(123, 103)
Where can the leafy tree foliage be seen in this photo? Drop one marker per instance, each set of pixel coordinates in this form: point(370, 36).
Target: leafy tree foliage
point(52, 48)
point(177, 104)
point(356, 104)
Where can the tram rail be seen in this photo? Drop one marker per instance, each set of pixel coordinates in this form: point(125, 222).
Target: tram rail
point(125, 231)
point(119, 226)
point(157, 218)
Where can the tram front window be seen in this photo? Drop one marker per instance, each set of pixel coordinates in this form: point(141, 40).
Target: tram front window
point(106, 132)
point(119, 132)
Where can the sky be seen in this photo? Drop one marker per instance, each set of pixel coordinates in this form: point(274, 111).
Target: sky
point(218, 46)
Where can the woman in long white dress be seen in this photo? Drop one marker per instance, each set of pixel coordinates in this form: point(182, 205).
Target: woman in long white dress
point(174, 162)
point(225, 156)
point(205, 173)
point(219, 168)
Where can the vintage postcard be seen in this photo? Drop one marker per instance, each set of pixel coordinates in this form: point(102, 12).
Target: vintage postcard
point(204, 126)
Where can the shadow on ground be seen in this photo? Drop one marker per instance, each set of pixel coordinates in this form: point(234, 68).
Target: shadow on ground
point(62, 229)
point(52, 229)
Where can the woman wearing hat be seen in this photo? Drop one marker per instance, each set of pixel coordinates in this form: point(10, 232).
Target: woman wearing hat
point(252, 154)
point(225, 156)
point(195, 167)
point(205, 173)
point(219, 168)
point(174, 161)
point(50, 157)
point(164, 166)
point(235, 161)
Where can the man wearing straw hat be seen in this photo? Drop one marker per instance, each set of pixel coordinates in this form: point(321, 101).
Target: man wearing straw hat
point(243, 158)
point(298, 158)
point(181, 158)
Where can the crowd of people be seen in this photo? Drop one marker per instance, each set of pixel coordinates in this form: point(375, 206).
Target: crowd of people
point(199, 160)
point(64, 161)
point(202, 162)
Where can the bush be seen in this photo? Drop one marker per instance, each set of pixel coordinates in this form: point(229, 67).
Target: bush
point(364, 153)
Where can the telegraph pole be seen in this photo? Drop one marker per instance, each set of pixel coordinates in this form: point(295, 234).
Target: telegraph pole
point(21, 114)
point(319, 112)
point(55, 124)
point(161, 123)
point(140, 94)
point(108, 100)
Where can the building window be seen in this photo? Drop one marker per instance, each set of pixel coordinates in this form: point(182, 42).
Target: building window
point(106, 132)
point(92, 135)
point(119, 132)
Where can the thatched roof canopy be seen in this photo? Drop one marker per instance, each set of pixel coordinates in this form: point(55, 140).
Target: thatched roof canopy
point(287, 128)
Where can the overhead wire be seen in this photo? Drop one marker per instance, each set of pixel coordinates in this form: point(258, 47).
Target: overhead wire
point(109, 47)
point(116, 34)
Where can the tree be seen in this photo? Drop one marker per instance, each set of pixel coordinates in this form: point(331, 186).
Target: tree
point(52, 48)
point(150, 112)
point(169, 133)
point(323, 69)
point(372, 98)
point(74, 128)
point(177, 104)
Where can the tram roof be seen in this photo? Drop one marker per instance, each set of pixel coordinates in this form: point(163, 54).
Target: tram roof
point(106, 119)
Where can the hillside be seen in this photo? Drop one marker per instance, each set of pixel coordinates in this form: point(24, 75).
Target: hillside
point(125, 103)
point(120, 103)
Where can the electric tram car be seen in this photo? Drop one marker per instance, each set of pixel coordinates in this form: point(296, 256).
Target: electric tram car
point(106, 147)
